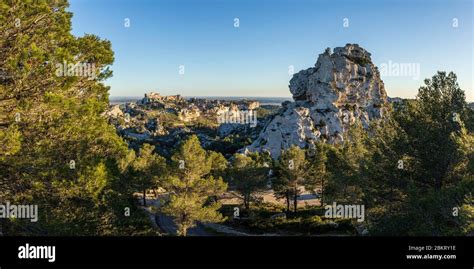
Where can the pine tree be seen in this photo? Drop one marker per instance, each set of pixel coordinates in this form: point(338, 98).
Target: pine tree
point(291, 174)
point(345, 163)
point(247, 176)
point(149, 168)
point(317, 169)
point(191, 187)
point(420, 170)
point(57, 150)
point(432, 123)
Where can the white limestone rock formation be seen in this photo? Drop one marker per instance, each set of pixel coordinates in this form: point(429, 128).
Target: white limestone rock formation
point(114, 112)
point(343, 87)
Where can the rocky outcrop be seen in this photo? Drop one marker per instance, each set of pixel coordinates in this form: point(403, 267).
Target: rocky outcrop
point(189, 114)
point(156, 97)
point(114, 111)
point(343, 87)
point(251, 105)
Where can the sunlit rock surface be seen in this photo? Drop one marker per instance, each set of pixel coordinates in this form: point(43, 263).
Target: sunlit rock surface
point(342, 87)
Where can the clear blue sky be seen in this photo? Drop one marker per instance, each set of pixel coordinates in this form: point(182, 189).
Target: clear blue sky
point(253, 60)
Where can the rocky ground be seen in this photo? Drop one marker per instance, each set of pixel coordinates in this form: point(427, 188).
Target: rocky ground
point(165, 120)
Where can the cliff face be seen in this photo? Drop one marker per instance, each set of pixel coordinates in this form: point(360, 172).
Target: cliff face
point(342, 87)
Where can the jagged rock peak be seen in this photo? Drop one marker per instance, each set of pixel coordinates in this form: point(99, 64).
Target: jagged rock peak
point(343, 87)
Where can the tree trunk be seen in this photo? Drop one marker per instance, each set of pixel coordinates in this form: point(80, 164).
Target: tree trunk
point(247, 201)
point(144, 197)
point(185, 231)
point(322, 192)
point(295, 199)
point(287, 201)
point(182, 230)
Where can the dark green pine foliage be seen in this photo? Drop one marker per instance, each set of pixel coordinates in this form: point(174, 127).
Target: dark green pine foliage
point(57, 150)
